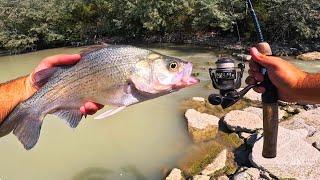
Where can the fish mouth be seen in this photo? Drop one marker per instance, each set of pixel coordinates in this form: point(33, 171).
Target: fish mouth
point(187, 79)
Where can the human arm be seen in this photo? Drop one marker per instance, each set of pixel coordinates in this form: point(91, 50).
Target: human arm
point(293, 84)
point(16, 91)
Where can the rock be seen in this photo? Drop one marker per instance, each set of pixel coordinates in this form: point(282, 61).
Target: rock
point(295, 157)
point(259, 112)
point(201, 126)
point(283, 103)
point(308, 120)
point(265, 175)
point(311, 56)
point(242, 121)
point(242, 57)
point(175, 174)
point(253, 96)
point(314, 138)
point(316, 145)
point(302, 132)
point(201, 177)
point(218, 163)
point(309, 107)
point(222, 178)
point(199, 99)
point(291, 109)
point(249, 174)
point(245, 135)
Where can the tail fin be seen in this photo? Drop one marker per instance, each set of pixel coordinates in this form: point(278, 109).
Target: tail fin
point(25, 124)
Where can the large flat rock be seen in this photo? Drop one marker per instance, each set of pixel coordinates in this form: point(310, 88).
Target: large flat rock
point(295, 157)
point(201, 126)
point(243, 121)
point(309, 120)
point(259, 112)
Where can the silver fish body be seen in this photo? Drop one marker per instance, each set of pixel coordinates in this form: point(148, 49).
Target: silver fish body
point(115, 75)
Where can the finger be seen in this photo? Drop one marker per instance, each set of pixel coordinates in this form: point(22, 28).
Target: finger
point(266, 61)
point(83, 110)
point(251, 80)
point(254, 66)
point(92, 108)
point(259, 89)
point(61, 59)
point(258, 76)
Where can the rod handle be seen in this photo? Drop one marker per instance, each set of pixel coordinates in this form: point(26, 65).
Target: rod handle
point(270, 109)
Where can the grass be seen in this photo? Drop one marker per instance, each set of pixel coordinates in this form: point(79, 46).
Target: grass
point(203, 154)
point(199, 158)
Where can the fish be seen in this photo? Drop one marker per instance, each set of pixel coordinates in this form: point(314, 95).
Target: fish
point(117, 76)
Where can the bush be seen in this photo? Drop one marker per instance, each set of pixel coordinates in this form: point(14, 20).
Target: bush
point(35, 24)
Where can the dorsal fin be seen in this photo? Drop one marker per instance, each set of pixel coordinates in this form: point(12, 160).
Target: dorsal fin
point(93, 48)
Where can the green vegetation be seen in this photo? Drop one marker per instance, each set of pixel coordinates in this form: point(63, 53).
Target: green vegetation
point(35, 24)
point(198, 158)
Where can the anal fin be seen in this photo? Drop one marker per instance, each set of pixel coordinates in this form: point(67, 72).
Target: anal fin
point(110, 112)
point(72, 117)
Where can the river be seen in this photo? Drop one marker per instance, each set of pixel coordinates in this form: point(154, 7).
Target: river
point(137, 143)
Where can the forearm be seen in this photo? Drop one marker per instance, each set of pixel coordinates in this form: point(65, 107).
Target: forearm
point(309, 88)
point(12, 93)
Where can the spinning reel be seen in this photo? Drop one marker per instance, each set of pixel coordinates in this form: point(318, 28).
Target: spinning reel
point(227, 78)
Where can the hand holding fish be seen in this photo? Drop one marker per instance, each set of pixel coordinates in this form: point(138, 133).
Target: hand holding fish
point(89, 108)
point(20, 89)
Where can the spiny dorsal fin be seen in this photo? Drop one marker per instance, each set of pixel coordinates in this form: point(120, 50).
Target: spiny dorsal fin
point(93, 48)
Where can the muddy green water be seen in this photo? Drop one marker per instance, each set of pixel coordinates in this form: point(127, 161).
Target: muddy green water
point(137, 143)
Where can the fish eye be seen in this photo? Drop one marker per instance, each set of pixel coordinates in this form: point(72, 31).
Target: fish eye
point(173, 65)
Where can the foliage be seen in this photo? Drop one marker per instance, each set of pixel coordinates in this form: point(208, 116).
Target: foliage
point(34, 24)
point(295, 19)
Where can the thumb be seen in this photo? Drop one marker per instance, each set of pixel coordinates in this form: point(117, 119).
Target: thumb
point(263, 60)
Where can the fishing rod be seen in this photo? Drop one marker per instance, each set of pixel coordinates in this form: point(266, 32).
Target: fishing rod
point(269, 98)
point(227, 79)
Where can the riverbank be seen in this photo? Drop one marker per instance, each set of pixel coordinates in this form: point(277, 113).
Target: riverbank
point(229, 142)
point(210, 39)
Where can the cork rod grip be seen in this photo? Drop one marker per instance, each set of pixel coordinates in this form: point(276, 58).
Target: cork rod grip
point(270, 110)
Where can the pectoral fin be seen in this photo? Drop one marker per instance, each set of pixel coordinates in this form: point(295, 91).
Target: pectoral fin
point(42, 77)
point(110, 112)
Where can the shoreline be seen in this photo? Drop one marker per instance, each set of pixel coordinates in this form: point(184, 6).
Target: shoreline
point(224, 43)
